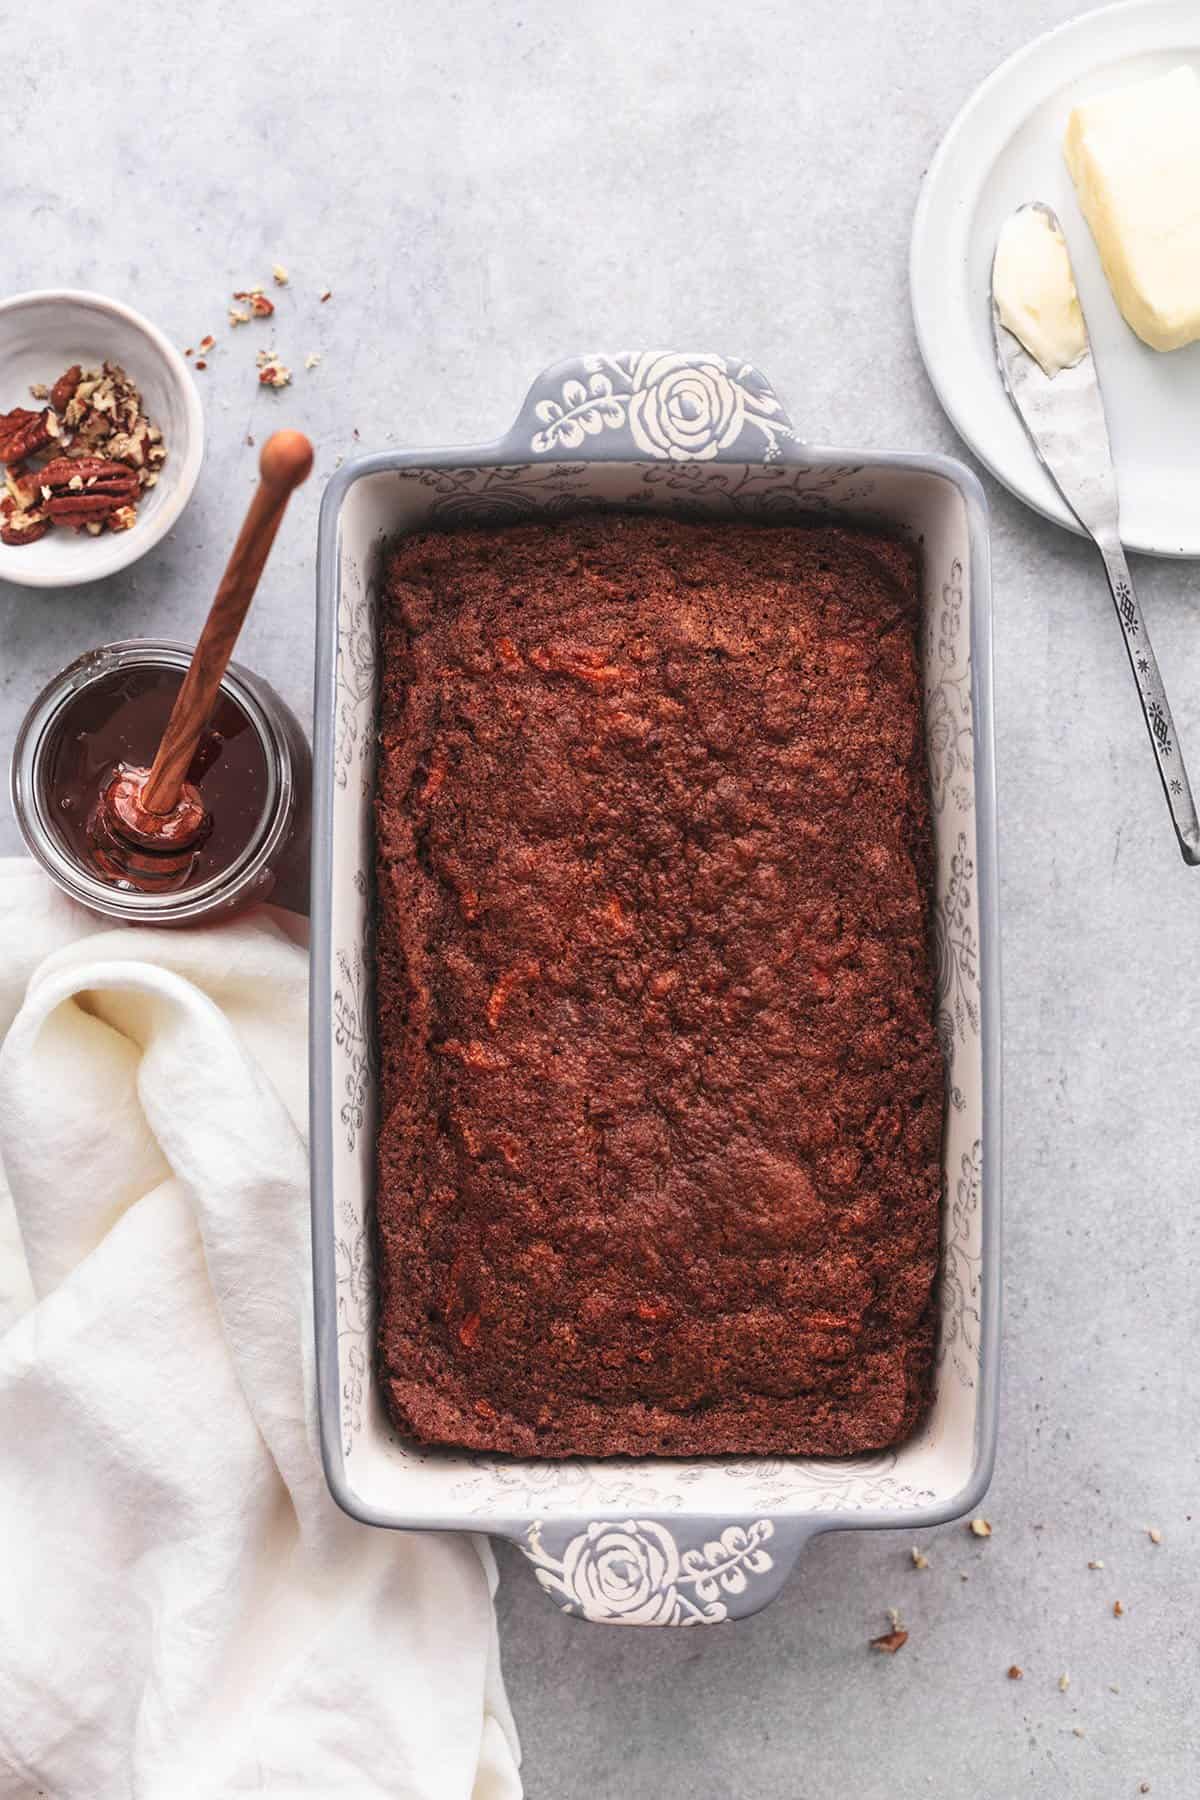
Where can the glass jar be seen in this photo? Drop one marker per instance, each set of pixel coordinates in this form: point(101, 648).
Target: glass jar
point(273, 864)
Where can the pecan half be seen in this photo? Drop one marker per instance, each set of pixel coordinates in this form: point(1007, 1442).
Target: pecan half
point(63, 390)
point(24, 433)
point(76, 491)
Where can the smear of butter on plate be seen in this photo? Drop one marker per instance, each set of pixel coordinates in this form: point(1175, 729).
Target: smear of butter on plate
point(1034, 290)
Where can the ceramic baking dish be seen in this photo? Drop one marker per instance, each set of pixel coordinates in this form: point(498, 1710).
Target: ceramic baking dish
point(656, 1541)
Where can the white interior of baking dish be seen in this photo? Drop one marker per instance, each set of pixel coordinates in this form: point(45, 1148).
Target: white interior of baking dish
point(393, 1481)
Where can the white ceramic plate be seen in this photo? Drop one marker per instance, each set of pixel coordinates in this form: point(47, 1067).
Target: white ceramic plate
point(1005, 147)
point(41, 334)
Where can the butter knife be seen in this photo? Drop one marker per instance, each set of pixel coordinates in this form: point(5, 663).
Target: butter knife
point(1064, 416)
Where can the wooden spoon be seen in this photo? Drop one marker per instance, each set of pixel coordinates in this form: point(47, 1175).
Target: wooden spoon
point(157, 810)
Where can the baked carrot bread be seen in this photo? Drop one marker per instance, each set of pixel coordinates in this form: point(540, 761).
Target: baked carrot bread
point(659, 1150)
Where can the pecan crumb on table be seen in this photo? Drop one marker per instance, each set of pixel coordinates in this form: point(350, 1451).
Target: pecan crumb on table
point(272, 372)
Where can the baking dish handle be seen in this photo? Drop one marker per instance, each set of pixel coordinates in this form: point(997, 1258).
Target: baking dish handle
point(651, 405)
point(663, 1572)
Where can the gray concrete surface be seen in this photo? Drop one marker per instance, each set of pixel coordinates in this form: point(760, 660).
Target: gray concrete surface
point(486, 187)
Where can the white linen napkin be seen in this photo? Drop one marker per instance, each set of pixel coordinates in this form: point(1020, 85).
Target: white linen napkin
point(183, 1609)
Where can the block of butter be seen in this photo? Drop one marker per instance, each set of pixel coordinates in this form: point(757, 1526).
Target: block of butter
point(1134, 155)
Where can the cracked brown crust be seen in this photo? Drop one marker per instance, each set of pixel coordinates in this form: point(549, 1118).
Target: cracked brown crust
point(659, 1160)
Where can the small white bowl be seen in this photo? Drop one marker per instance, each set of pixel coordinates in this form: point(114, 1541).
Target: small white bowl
point(43, 333)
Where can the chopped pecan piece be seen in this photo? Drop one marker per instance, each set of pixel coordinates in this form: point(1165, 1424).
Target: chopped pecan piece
point(29, 532)
point(652, 1311)
point(18, 526)
point(24, 433)
point(474, 1054)
point(22, 486)
point(613, 913)
point(132, 447)
point(77, 407)
point(585, 666)
point(77, 490)
point(271, 372)
point(521, 972)
point(468, 1331)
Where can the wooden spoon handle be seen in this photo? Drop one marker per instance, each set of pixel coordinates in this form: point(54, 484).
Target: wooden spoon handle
point(285, 462)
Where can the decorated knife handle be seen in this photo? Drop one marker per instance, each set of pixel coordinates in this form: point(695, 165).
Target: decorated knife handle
point(1153, 696)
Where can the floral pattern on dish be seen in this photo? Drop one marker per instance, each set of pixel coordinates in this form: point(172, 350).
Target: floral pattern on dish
point(948, 701)
point(962, 1269)
point(684, 408)
point(355, 674)
point(634, 1573)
